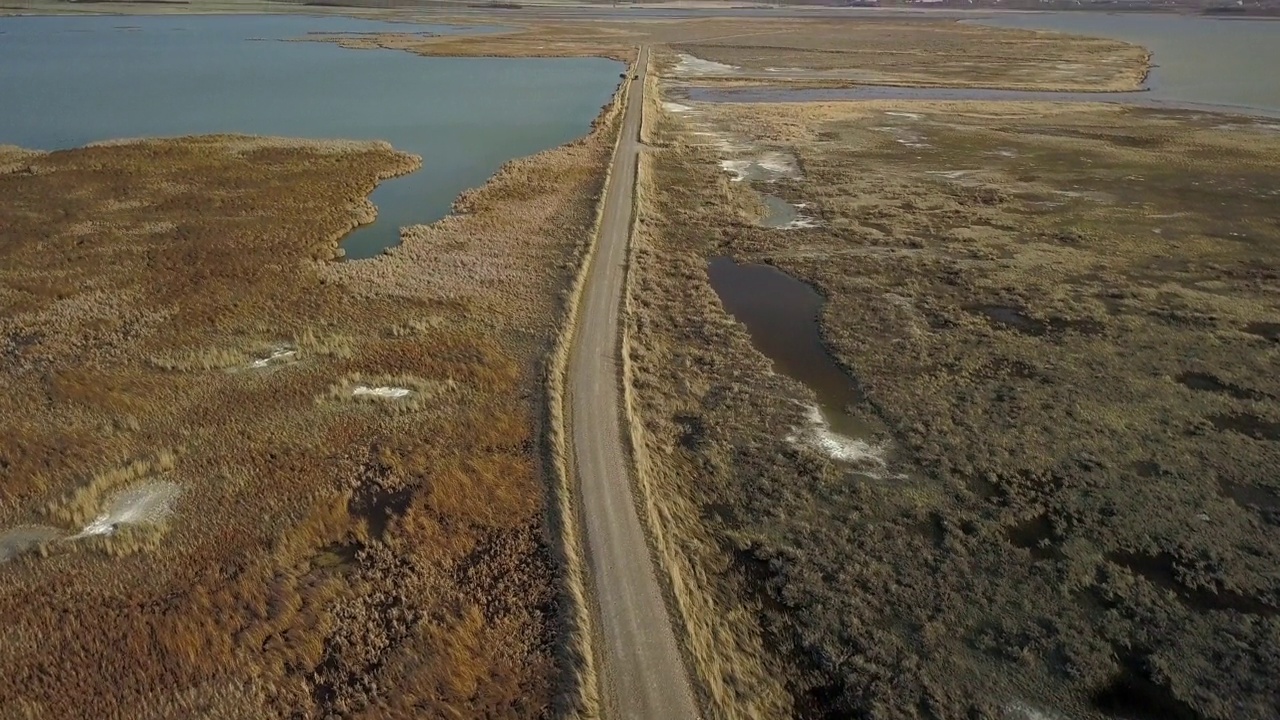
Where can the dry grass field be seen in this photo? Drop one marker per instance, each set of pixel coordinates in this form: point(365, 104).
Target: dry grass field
point(923, 53)
point(832, 52)
point(1064, 318)
point(241, 480)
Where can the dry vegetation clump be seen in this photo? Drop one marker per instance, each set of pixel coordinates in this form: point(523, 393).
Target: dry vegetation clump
point(1066, 315)
point(322, 560)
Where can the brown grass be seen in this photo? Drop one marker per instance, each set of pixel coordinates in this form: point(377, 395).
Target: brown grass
point(325, 558)
point(928, 53)
point(1071, 464)
point(829, 52)
point(83, 503)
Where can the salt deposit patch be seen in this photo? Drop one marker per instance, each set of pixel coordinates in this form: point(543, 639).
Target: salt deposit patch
point(904, 137)
point(908, 115)
point(675, 107)
point(382, 391)
point(1092, 195)
point(1018, 710)
point(723, 143)
point(769, 166)
point(800, 222)
point(1259, 126)
point(782, 215)
point(690, 65)
point(778, 162)
point(147, 504)
point(867, 458)
point(736, 168)
point(278, 355)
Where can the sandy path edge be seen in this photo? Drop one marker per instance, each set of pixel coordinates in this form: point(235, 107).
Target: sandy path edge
point(642, 670)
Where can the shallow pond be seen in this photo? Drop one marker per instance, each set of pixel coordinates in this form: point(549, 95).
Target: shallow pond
point(782, 314)
point(778, 212)
point(67, 81)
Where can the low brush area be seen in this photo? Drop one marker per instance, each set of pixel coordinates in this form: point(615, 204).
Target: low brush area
point(182, 360)
point(1068, 318)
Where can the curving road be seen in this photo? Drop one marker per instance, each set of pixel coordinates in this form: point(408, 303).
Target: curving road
point(643, 673)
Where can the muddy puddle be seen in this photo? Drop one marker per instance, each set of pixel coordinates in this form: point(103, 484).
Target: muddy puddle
point(778, 213)
point(782, 315)
point(782, 215)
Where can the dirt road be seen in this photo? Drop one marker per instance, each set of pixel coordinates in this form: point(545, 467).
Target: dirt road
point(644, 675)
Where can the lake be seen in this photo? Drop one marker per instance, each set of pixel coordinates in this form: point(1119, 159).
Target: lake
point(1233, 63)
point(67, 81)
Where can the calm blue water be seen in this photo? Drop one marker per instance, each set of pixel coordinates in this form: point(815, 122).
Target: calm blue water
point(1232, 63)
point(66, 81)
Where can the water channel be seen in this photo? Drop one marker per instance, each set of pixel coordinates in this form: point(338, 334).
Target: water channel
point(68, 81)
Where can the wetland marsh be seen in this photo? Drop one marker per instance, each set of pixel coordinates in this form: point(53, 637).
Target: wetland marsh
point(1059, 310)
point(265, 483)
point(1006, 448)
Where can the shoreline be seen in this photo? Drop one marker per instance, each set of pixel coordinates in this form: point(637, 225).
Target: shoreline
point(473, 212)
